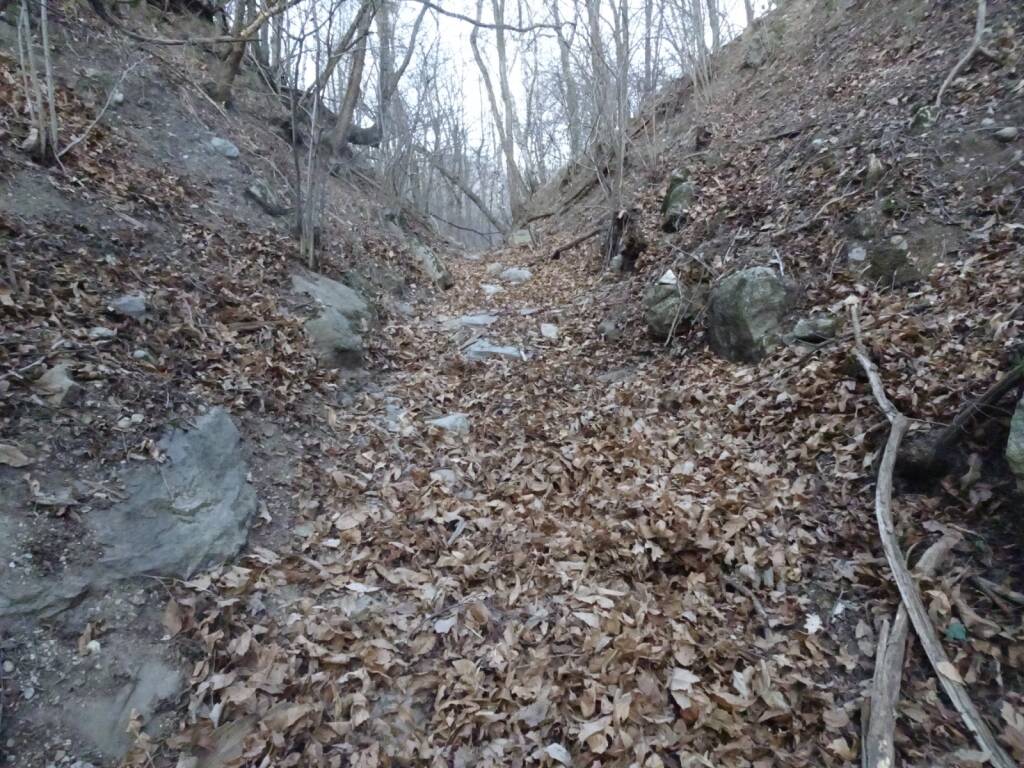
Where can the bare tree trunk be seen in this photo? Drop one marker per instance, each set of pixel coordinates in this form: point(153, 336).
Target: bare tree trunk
point(748, 6)
point(502, 120)
point(648, 44)
point(568, 82)
point(715, 22)
point(359, 26)
point(348, 105)
point(233, 61)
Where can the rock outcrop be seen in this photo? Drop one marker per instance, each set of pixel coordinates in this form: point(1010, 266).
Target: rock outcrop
point(336, 327)
point(190, 512)
point(746, 313)
point(668, 303)
point(433, 267)
point(675, 208)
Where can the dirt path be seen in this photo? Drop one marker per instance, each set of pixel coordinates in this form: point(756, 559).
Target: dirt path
point(550, 585)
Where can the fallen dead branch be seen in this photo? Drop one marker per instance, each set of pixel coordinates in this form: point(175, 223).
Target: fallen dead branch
point(979, 31)
point(998, 589)
point(948, 675)
point(103, 110)
point(879, 741)
point(557, 253)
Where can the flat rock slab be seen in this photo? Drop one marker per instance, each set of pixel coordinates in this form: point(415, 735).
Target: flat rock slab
point(516, 275)
point(491, 290)
point(191, 512)
point(104, 722)
point(472, 321)
point(224, 147)
point(482, 349)
point(521, 237)
point(453, 422)
point(188, 513)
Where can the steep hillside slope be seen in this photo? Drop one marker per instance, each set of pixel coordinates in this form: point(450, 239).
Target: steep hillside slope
point(145, 290)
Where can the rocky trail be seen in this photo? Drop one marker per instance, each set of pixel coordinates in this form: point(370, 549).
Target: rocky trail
point(528, 545)
point(604, 496)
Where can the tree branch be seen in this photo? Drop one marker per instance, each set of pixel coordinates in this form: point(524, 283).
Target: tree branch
point(879, 742)
point(247, 34)
point(483, 24)
point(464, 188)
point(979, 31)
point(944, 669)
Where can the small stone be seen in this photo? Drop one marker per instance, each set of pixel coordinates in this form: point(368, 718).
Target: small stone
point(56, 384)
point(453, 422)
point(8, 666)
point(1008, 134)
point(988, 122)
point(491, 290)
point(141, 354)
point(815, 330)
point(875, 170)
point(516, 275)
point(482, 349)
point(29, 693)
point(92, 648)
point(99, 333)
point(224, 147)
point(857, 253)
point(444, 477)
point(117, 99)
point(609, 329)
point(129, 305)
point(549, 331)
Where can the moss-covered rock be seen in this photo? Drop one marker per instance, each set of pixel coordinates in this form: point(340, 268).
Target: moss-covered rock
point(668, 303)
point(746, 313)
point(675, 208)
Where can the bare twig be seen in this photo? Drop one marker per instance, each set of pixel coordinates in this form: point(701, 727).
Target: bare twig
point(909, 593)
point(820, 212)
point(557, 253)
point(879, 743)
point(483, 24)
point(110, 97)
point(979, 31)
point(1004, 592)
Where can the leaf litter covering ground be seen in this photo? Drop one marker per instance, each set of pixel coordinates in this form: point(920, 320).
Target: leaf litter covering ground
point(641, 561)
point(644, 560)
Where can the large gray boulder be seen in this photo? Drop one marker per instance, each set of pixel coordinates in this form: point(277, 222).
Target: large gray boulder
point(433, 267)
point(746, 312)
point(191, 512)
point(667, 303)
point(1015, 445)
point(336, 328)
